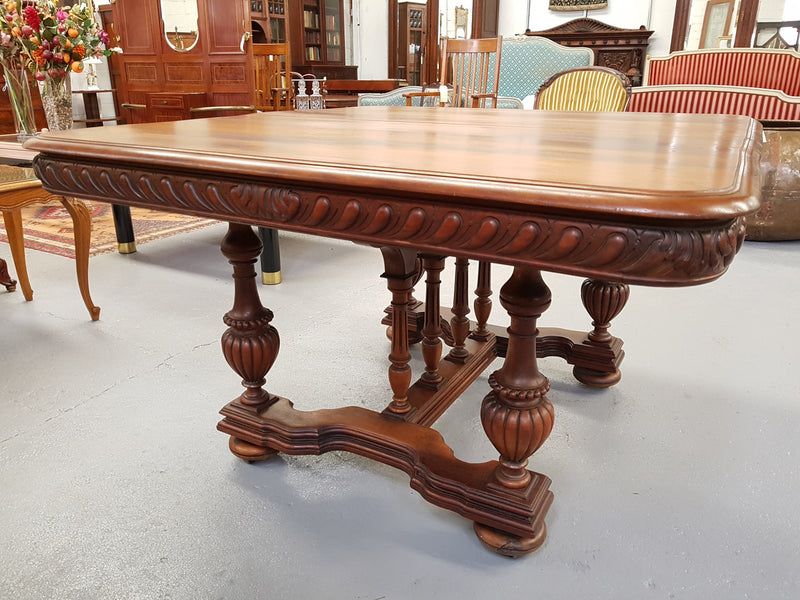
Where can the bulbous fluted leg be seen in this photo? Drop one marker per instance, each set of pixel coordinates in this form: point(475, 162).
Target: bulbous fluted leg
point(516, 414)
point(250, 344)
point(603, 301)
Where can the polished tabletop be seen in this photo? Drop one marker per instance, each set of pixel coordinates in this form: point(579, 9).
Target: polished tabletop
point(637, 163)
point(463, 174)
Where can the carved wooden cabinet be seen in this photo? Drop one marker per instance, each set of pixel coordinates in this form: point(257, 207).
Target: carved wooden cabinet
point(621, 49)
point(218, 65)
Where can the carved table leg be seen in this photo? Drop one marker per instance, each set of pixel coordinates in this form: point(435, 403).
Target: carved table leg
point(5, 278)
point(603, 301)
point(516, 415)
point(250, 344)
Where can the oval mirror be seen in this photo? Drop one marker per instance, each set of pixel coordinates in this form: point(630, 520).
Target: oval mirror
point(180, 23)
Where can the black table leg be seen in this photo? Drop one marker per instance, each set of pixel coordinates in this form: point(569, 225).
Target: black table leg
point(270, 256)
point(124, 227)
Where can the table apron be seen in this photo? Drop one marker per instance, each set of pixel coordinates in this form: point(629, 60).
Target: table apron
point(643, 252)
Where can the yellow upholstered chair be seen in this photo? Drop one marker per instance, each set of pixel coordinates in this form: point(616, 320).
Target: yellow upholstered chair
point(585, 89)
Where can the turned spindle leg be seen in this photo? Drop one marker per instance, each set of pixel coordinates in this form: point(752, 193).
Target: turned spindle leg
point(516, 414)
point(483, 303)
point(459, 323)
point(432, 331)
point(250, 344)
point(603, 301)
point(401, 274)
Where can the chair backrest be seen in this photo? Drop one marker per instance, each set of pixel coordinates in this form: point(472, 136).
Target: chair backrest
point(586, 89)
point(530, 60)
point(273, 89)
point(466, 65)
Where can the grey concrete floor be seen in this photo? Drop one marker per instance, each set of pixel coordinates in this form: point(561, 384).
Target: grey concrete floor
point(680, 482)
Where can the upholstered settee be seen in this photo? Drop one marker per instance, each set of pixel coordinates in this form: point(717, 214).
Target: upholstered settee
point(527, 61)
point(744, 67)
point(759, 103)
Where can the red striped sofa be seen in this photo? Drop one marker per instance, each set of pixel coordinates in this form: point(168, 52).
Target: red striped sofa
point(745, 67)
point(758, 103)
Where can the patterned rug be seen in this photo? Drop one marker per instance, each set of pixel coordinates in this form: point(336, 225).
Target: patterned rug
point(48, 227)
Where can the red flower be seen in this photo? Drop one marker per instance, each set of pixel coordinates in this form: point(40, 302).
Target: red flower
point(32, 18)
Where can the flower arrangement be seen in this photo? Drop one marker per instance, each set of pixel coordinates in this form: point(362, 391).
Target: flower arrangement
point(50, 41)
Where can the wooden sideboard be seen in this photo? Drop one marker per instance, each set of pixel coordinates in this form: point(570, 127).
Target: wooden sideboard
point(218, 65)
point(173, 106)
point(621, 49)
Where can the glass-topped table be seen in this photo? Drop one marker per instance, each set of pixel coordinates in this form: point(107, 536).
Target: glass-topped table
point(19, 187)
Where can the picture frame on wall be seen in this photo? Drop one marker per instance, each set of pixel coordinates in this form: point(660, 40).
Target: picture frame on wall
point(716, 23)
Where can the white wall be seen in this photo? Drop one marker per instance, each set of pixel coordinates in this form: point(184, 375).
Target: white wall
point(371, 25)
point(629, 14)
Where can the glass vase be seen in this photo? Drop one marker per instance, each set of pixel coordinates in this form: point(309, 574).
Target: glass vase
point(19, 96)
point(56, 95)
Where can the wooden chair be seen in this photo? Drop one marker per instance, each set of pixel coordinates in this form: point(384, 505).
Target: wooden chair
point(272, 63)
point(470, 69)
point(585, 89)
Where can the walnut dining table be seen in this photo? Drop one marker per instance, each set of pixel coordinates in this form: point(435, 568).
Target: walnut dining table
point(617, 198)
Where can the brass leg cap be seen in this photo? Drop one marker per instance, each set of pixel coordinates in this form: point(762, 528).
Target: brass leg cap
point(127, 248)
point(271, 278)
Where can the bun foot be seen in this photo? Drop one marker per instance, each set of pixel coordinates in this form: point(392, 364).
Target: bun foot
point(249, 452)
point(597, 379)
point(508, 544)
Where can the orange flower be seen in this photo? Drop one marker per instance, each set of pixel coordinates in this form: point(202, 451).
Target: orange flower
point(72, 32)
point(67, 45)
point(77, 67)
point(38, 57)
point(79, 52)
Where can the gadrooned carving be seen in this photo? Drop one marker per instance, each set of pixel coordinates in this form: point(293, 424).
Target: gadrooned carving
point(626, 252)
